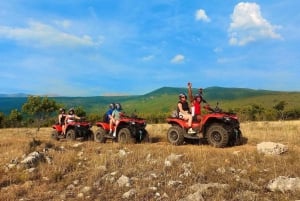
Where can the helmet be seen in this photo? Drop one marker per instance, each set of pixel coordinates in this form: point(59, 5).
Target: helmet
point(197, 96)
point(182, 95)
point(118, 106)
point(71, 110)
point(112, 106)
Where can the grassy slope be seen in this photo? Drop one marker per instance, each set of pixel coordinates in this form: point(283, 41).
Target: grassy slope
point(165, 98)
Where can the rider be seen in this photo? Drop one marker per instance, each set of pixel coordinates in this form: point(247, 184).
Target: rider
point(195, 102)
point(108, 117)
point(71, 117)
point(183, 111)
point(116, 117)
point(61, 119)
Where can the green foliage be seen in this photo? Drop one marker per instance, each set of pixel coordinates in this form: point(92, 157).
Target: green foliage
point(15, 118)
point(155, 106)
point(2, 119)
point(40, 108)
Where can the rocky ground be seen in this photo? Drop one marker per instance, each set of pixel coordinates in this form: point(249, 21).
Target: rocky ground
point(34, 167)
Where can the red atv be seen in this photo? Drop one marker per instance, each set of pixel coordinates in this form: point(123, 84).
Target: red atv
point(130, 130)
point(75, 130)
point(218, 128)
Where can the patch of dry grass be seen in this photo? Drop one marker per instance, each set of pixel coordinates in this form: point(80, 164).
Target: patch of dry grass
point(100, 165)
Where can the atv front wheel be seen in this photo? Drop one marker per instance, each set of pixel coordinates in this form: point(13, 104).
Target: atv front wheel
point(175, 135)
point(217, 136)
point(124, 136)
point(236, 138)
point(71, 134)
point(100, 135)
point(91, 136)
point(146, 138)
point(54, 135)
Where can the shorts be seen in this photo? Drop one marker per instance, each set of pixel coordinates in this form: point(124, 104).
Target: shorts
point(183, 116)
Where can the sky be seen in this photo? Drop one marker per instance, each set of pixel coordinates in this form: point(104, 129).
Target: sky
point(130, 47)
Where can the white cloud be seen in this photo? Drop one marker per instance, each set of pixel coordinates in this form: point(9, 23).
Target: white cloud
point(39, 34)
point(148, 58)
point(201, 16)
point(248, 25)
point(63, 23)
point(179, 58)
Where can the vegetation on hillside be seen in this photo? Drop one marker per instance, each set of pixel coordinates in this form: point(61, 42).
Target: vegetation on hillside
point(155, 106)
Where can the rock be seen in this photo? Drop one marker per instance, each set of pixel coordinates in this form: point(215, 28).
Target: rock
point(129, 194)
point(284, 184)
point(172, 159)
point(78, 145)
point(197, 196)
point(271, 148)
point(122, 153)
point(80, 195)
point(33, 159)
point(203, 187)
point(86, 189)
point(174, 183)
point(221, 170)
point(187, 170)
point(123, 181)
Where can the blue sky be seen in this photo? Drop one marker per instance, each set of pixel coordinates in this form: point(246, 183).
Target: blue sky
point(105, 47)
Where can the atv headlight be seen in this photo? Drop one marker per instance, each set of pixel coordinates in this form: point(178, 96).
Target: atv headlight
point(227, 119)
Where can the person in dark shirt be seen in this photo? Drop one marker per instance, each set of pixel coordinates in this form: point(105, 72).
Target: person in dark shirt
point(184, 112)
point(61, 119)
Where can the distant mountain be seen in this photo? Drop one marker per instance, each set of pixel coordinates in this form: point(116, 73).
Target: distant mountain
point(216, 92)
point(164, 100)
point(14, 95)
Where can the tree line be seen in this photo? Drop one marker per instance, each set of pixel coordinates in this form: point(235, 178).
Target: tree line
point(42, 112)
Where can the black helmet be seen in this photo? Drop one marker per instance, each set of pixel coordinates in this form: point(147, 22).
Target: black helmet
point(71, 110)
point(197, 96)
point(112, 106)
point(182, 95)
point(118, 106)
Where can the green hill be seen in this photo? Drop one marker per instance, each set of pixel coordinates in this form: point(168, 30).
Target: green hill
point(164, 100)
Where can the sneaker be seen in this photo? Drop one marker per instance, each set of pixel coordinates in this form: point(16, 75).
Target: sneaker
point(114, 135)
point(191, 131)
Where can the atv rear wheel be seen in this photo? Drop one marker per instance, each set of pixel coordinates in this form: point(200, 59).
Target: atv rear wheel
point(71, 134)
point(217, 136)
point(124, 136)
point(175, 135)
point(100, 135)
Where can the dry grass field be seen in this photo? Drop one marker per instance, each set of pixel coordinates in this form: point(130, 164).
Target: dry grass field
point(153, 171)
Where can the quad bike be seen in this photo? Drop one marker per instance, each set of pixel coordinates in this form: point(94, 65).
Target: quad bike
point(130, 130)
point(218, 128)
point(74, 130)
